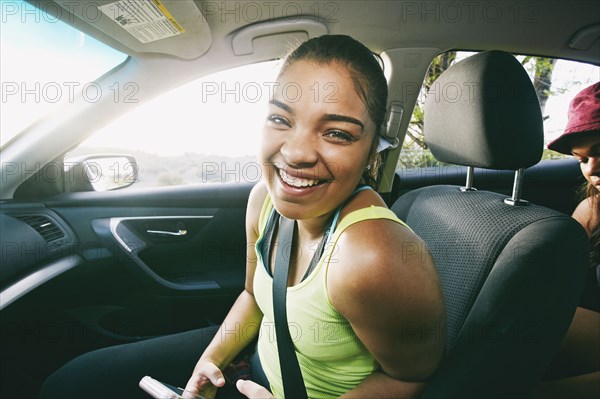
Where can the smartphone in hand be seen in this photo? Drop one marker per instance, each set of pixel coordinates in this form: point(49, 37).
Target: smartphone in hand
point(160, 390)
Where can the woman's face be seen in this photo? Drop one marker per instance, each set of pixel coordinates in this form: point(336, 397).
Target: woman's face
point(587, 151)
point(316, 140)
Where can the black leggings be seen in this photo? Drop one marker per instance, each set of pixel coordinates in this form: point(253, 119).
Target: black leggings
point(115, 372)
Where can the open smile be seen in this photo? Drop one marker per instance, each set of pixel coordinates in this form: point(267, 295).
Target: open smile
point(298, 182)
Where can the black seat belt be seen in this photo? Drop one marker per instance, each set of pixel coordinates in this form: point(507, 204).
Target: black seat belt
point(293, 383)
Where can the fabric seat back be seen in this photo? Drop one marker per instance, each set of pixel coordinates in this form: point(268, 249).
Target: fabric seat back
point(511, 275)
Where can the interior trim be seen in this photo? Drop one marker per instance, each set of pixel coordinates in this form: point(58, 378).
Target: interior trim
point(241, 43)
point(585, 37)
point(35, 279)
point(115, 222)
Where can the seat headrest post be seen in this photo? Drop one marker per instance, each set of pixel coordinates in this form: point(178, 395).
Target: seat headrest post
point(516, 200)
point(469, 183)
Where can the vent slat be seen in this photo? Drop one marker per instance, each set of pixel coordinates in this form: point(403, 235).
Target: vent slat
point(44, 226)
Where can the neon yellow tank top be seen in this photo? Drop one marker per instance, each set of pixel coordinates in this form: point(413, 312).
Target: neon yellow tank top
point(332, 358)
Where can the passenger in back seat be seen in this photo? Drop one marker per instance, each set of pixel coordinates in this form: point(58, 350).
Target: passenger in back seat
point(575, 371)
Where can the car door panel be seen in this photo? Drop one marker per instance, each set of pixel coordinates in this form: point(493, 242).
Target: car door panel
point(91, 291)
point(174, 242)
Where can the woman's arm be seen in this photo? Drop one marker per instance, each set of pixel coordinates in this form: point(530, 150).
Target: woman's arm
point(385, 283)
point(391, 295)
point(242, 323)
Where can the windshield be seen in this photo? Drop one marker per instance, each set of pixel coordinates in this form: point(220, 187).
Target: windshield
point(43, 62)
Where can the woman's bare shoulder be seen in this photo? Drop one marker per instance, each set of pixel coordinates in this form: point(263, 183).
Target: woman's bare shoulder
point(379, 258)
point(380, 253)
point(584, 213)
point(382, 277)
point(362, 199)
point(255, 202)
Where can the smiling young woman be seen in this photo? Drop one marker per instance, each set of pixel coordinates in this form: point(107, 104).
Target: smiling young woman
point(363, 296)
point(318, 150)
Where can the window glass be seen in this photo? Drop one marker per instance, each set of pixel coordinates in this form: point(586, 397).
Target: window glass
point(205, 131)
point(43, 63)
point(556, 81)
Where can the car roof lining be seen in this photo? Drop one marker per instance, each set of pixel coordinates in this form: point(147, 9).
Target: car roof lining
point(371, 28)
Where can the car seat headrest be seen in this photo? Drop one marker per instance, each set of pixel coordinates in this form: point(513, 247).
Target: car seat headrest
point(484, 112)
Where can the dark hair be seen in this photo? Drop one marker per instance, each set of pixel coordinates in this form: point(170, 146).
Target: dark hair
point(589, 191)
point(365, 72)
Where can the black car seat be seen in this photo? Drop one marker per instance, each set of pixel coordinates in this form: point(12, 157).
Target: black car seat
point(511, 272)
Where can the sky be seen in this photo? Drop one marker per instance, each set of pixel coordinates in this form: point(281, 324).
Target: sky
point(571, 77)
point(35, 50)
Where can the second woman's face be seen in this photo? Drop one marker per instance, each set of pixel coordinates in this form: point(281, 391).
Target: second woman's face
point(316, 140)
point(587, 151)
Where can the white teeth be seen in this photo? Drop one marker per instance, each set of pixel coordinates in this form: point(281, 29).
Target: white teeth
point(297, 181)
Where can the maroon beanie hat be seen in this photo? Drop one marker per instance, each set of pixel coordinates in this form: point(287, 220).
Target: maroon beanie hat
point(584, 118)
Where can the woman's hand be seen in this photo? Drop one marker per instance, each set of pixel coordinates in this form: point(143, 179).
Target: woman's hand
point(252, 390)
point(205, 380)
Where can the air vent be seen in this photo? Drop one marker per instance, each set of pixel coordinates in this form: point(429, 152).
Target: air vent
point(44, 226)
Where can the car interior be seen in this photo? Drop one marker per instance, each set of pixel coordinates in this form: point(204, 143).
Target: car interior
point(490, 249)
point(84, 268)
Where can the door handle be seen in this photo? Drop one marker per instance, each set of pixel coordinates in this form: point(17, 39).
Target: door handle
point(178, 233)
point(178, 230)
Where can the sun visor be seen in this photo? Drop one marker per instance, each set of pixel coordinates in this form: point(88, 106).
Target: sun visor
point(175, 27)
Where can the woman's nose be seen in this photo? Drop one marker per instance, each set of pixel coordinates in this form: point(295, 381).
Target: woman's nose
point(593, 166)
point(299, 149)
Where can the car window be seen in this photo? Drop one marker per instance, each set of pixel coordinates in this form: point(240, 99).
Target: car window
point(205, 131)
point(556, 82)
point(45, 63)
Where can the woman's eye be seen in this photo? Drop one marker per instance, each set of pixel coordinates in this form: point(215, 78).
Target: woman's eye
point(582, 160)
point(338, 135)
point(276, 120)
